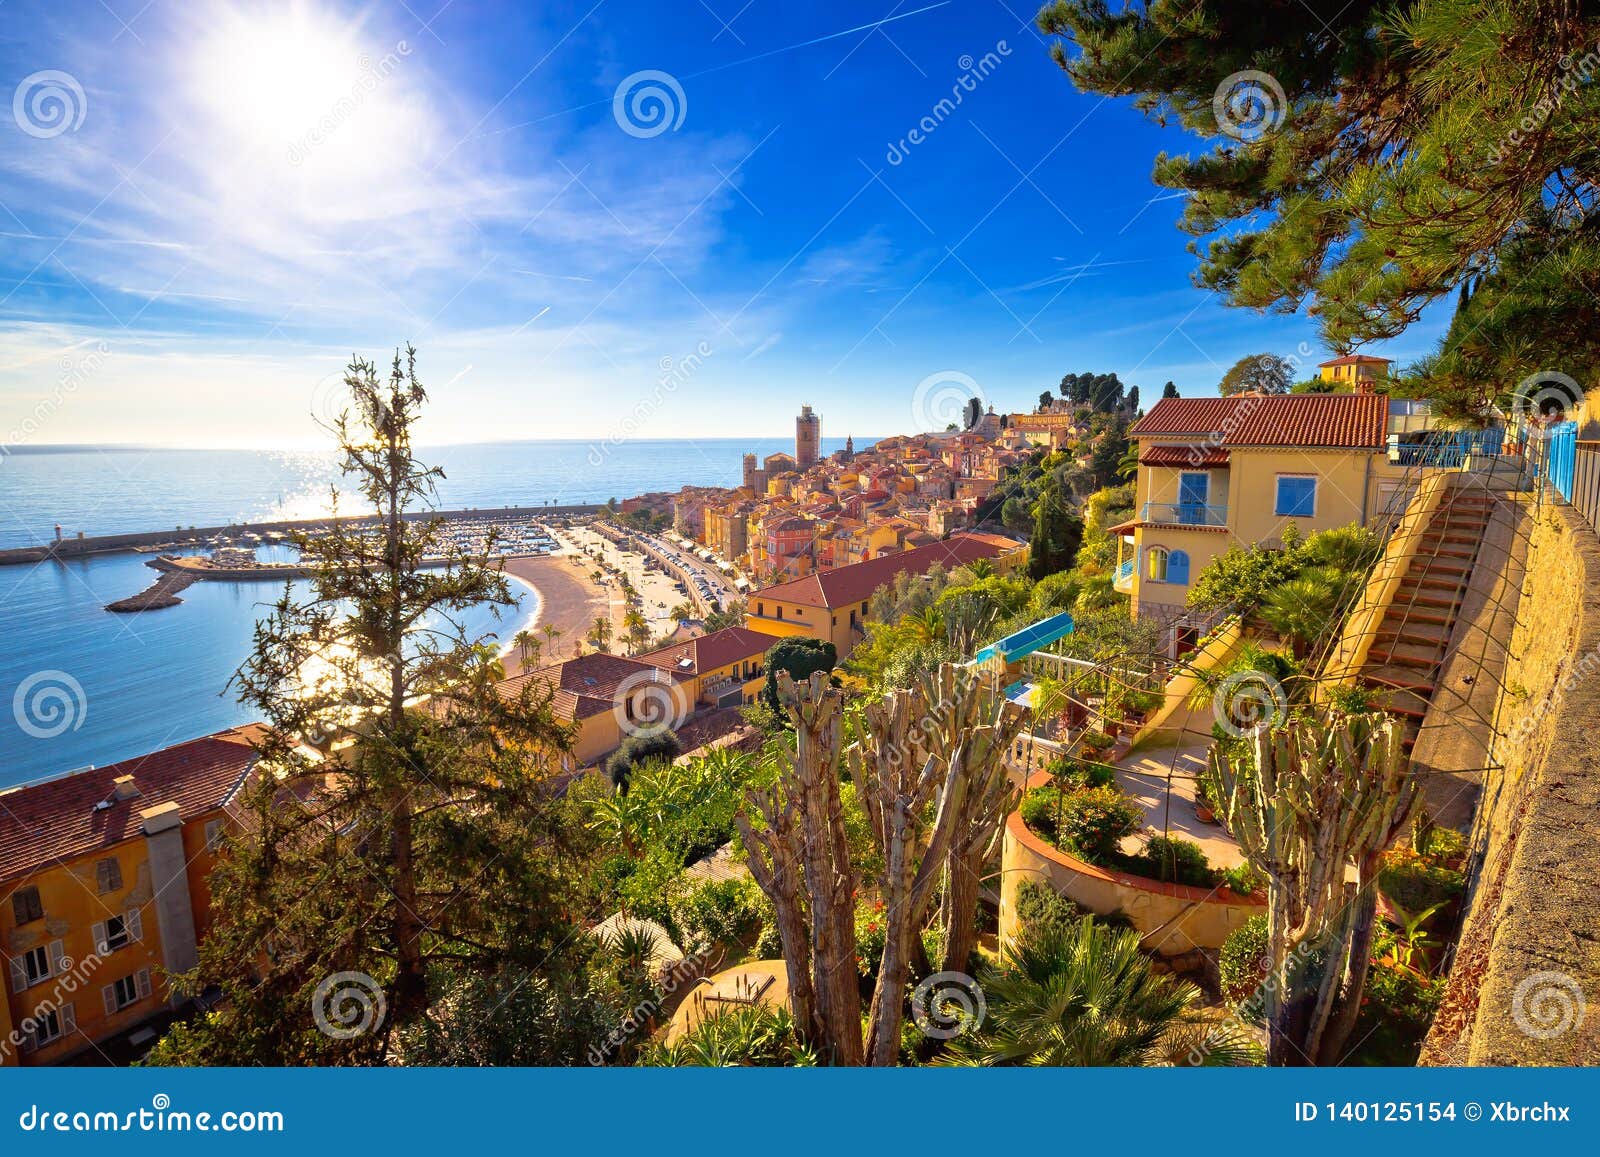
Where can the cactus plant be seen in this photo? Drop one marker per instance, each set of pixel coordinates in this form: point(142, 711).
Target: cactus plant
point(1306, 800)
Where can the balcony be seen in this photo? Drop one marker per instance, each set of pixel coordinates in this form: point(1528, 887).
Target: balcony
point(1183, 514)
point(1122, 580)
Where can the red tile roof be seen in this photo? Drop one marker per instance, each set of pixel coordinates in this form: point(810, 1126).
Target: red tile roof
point(1337, 421)
point(45, 823)
point(708, 652)
point(1190, 456)
point(1356, 360)
point(855, 583)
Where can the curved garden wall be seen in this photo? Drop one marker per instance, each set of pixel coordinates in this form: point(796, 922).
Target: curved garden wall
point(1174, 918)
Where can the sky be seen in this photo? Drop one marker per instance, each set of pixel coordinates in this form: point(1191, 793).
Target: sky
point(685, 218)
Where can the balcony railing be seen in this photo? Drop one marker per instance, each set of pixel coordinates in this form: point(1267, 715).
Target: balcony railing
point(1124, 574)
point(1184, 514)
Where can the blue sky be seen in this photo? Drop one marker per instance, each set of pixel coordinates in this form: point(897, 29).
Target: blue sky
point(242, 194)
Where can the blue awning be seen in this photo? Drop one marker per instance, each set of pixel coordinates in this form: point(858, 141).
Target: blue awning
point(1022, 643)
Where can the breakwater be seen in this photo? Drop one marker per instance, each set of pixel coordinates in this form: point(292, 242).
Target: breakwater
point(84, 545)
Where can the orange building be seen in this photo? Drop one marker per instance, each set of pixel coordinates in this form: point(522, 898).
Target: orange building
point(103, 891)
point(833, 604)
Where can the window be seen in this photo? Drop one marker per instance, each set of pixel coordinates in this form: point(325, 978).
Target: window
point(1155, 564)
point(1297, 496)
point(108, 875)
point(50, 1026)
point(35, 965)
point(122, 993)
point(25, 905)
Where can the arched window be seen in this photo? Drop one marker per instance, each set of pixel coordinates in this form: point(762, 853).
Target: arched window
point(1156, 561)
point(1178, 567)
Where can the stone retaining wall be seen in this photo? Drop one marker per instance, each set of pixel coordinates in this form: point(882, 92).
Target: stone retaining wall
point(1525, 985)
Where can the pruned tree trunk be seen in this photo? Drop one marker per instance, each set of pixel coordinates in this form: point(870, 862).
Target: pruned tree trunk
point(807, 856)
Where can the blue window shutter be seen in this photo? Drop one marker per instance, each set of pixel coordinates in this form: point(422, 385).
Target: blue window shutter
point(1296, 497)
point(1178, 567)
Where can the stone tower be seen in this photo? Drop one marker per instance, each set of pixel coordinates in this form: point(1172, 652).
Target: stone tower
point(750, 472)
point(807, 438)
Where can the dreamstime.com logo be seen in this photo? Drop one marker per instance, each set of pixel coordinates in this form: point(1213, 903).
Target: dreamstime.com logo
point(1547, 1005)
point(947, 1005)
point(347, 1005)
point(159, 1117)
point(49, 703)
point(674, 373)
point(368, 77)
point(1250, 104)
point(49, 103)
point(940, 401)
point(1247, 699)
point(973, 73)
point(649, 103)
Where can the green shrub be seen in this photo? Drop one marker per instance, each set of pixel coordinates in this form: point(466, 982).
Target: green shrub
point(1040, 806)
point(1244, 961)
point(1243, 879)
point(872, 933)
point(717, 912)
point(1415, 883)
point(1397, 1010)
point(1042, 907)
point(1094, 822)
point(1073, 772)
point(1176, 861)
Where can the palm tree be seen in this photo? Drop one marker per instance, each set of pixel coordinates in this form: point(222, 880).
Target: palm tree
point(551, 634)
point(1128, 464)
point(528, 646)
point(600, 633)
point(1080, 994)
point(981, 568)
point(926, 626)
point(1301, 609)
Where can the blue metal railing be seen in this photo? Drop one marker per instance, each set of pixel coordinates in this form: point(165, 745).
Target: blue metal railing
point(1448, 450)
point(1561, 456)
point(1184, 514)
point(1124, 572)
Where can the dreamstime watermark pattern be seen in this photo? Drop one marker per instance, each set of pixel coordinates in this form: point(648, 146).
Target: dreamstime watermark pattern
point(973, 73)
point(1544, 398)
point(1246, 700)
point(49, 103)
point(674, 373)
point(49, 703)
point(74, 372)
point(947, 1005)
point(1238, 415)
point(940, 401)
point(1251, 1010)
point(159, 1117)
point(1547, 1005)
point(648, 103)
point(1249, 104)
point(1575, 73)
point(1585, 668)
point(71, 977)
point(347, 1005)
point(647, 703)
point(368, 77)
point(640, 1016)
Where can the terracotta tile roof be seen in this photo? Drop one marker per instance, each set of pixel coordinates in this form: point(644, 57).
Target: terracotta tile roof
point(855, 583)
point(1356, 360)
point(43, 823)
point(1336, 421)
point(586, 686)
point(1195, 457)
point(708, 652)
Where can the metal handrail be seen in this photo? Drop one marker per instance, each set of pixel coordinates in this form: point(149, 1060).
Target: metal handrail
point(1184, 514)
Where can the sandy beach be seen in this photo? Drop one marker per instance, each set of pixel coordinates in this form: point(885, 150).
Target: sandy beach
point(568, 600)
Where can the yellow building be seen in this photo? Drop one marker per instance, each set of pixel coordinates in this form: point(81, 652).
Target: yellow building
point(104, 879)
point(1218, 472)
point(833, 604)
point(1358, 371)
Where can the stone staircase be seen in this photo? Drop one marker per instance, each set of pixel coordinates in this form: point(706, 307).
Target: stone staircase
point(1412, 642)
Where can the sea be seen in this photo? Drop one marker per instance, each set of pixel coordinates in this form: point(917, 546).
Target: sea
point(81, 686)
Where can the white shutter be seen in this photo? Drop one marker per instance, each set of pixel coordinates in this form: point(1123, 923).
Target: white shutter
point(69, 1018)
point(98, 931)
point(142, 979)
point(56, 953)
point(108, 995)
point(19, 974)
point(135, 924)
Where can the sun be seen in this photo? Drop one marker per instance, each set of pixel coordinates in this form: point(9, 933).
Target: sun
point(298, 94)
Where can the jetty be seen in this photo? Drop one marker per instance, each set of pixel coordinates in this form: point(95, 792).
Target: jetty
point(158, 595)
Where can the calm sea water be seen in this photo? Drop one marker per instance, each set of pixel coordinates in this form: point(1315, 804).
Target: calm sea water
point(158, 678)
